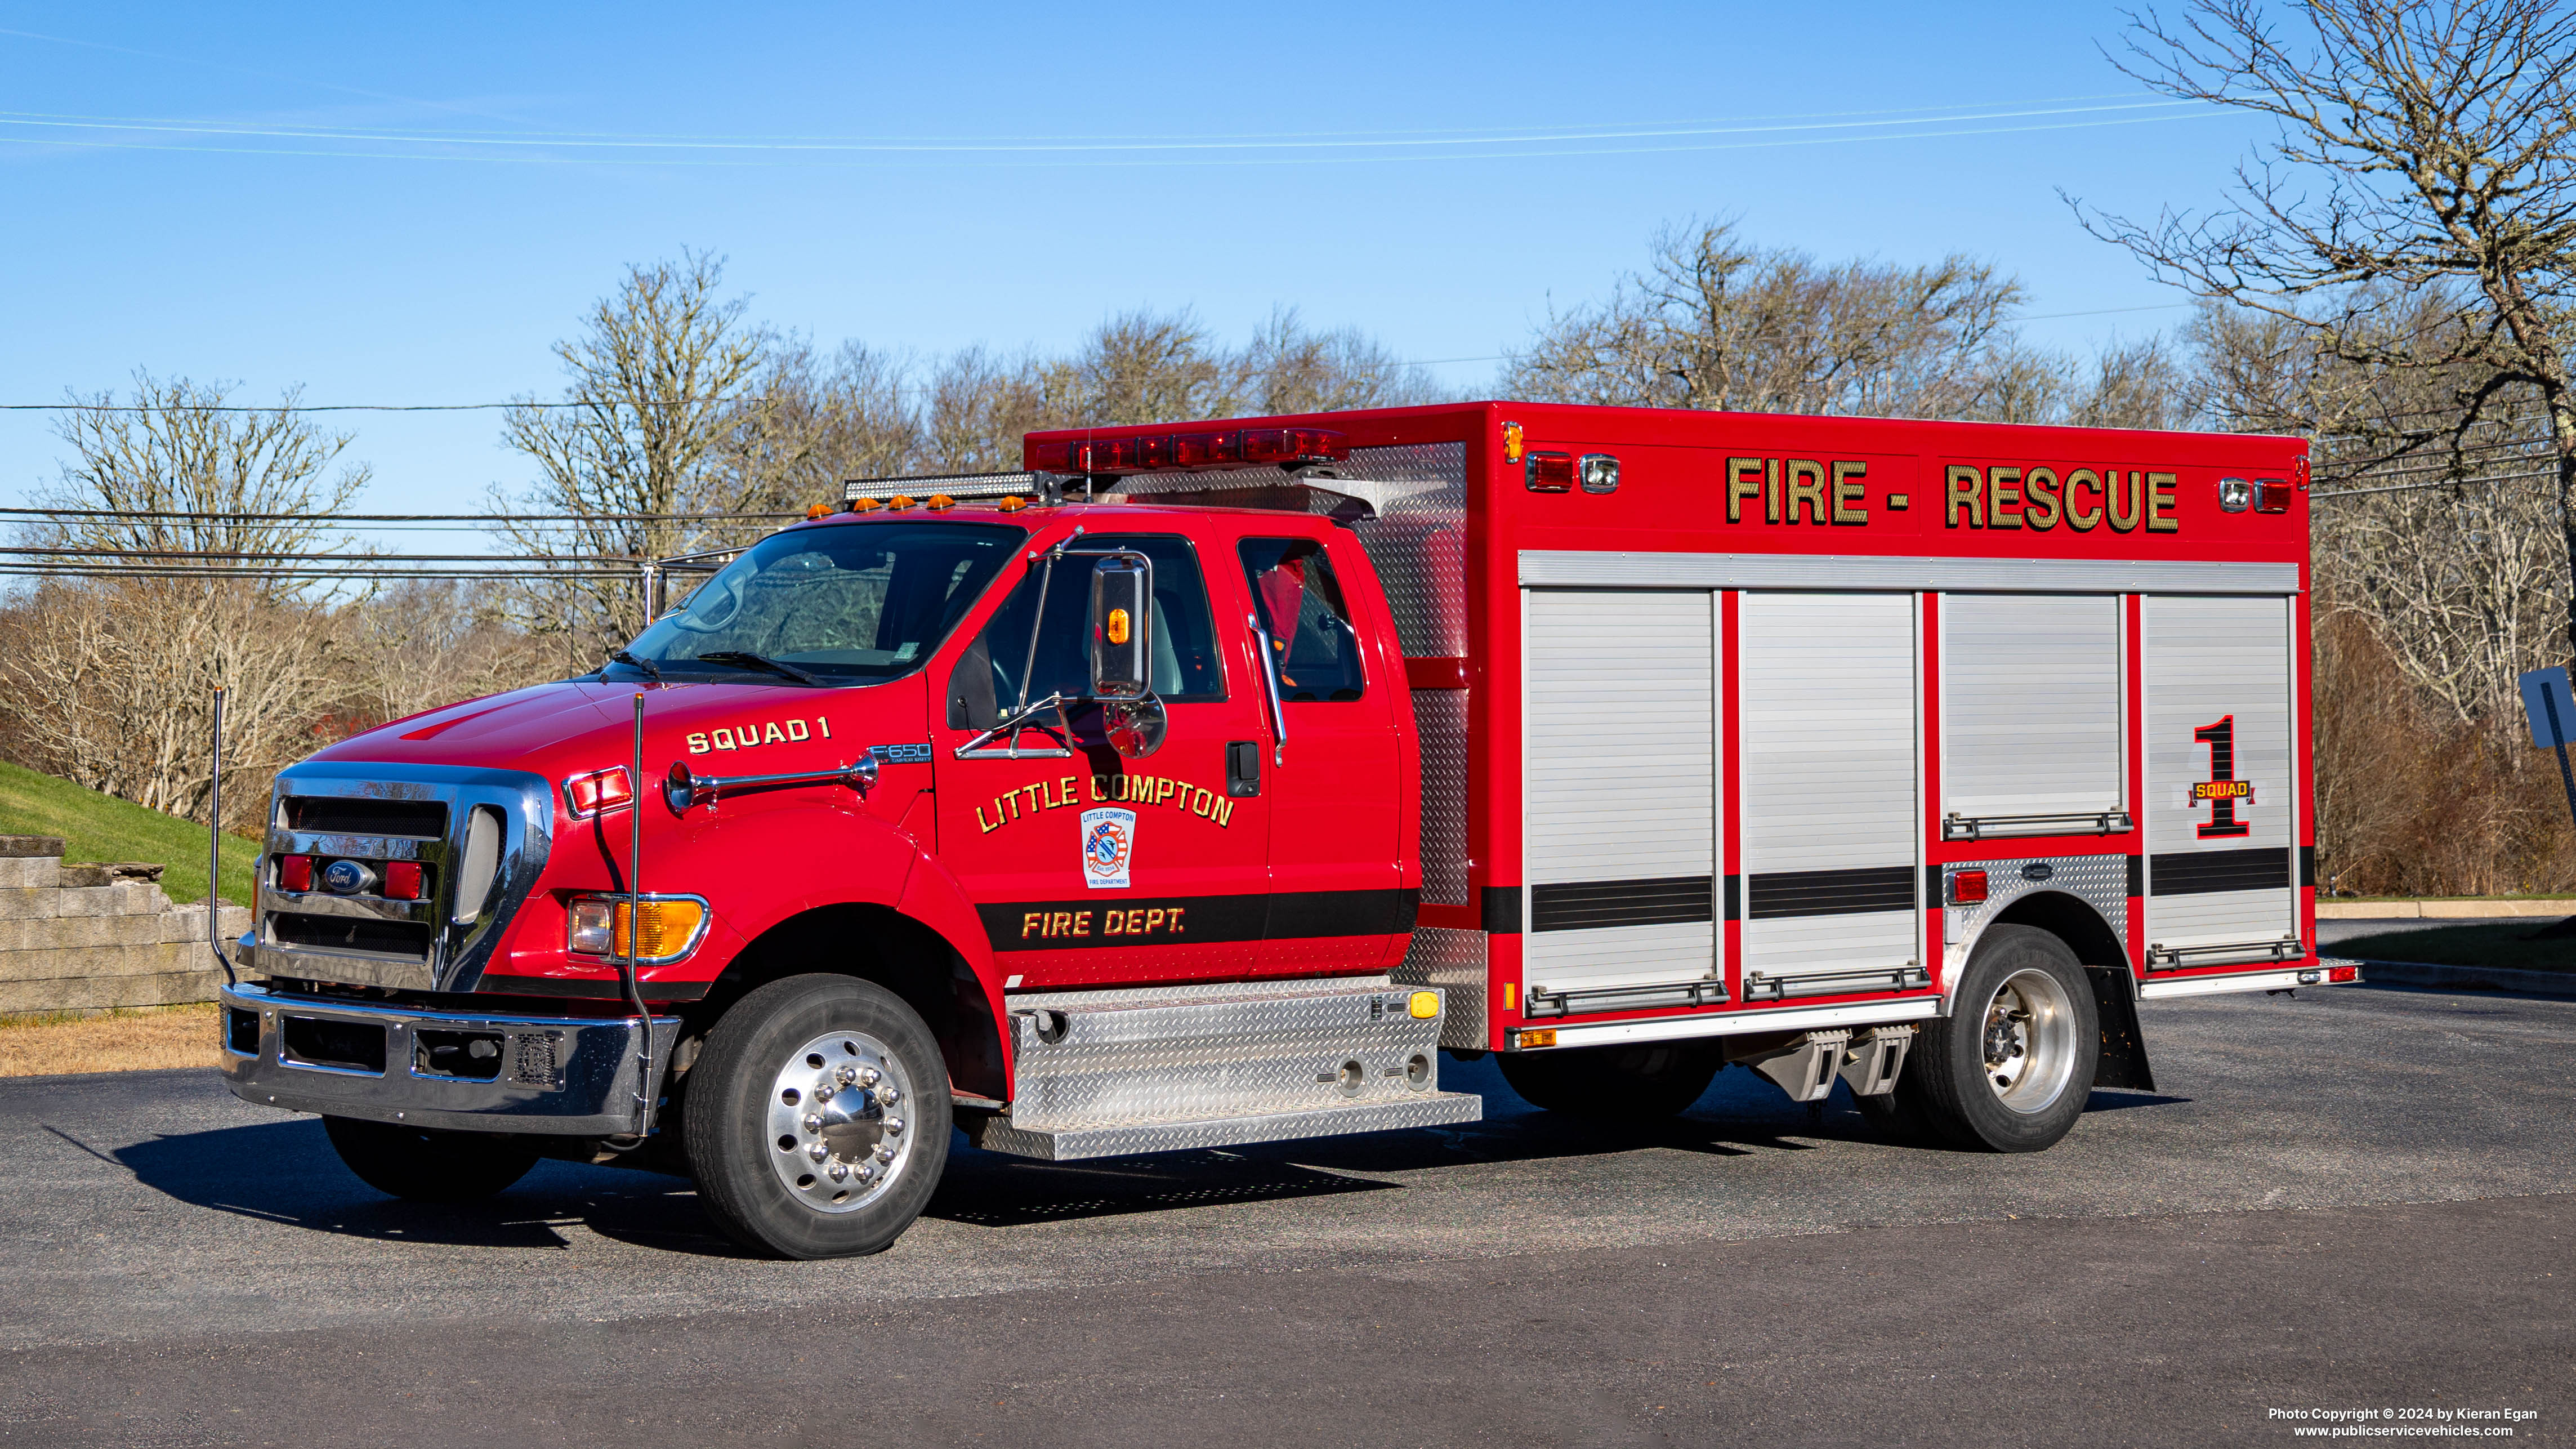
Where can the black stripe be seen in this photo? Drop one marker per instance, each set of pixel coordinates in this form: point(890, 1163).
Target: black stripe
point(2200, 872)
point(2307, 865)
point(2137, 875)
point(1502, 910)
point(1207, 920)
point(1832, 892)
point(1598, 904)
point(1735, 898)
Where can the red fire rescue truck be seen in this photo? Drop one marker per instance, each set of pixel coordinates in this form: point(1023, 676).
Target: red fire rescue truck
point(1204, 784)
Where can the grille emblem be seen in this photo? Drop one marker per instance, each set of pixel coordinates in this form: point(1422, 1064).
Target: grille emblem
point(346, 877)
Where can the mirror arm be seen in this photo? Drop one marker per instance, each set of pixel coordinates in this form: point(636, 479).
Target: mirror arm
point(1021, 721)
point(1270, 683)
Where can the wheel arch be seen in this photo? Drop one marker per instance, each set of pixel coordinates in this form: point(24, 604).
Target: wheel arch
point(2105, 958)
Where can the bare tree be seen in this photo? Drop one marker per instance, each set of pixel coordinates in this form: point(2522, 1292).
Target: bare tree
point(423, 644)
point(2422, 156)
point(1288, 368)
point(1716, 322)
point(807, 424)
point(979, 404)
point(663, 381)
point(251, 485)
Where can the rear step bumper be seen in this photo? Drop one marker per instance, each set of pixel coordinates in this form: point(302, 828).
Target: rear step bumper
point(1165, 1069)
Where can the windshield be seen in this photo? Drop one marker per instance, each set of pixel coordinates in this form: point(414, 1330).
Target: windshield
point(850, 604)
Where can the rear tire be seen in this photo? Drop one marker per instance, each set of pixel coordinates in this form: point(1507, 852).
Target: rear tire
point(1614, 1083)
point(817, 1118)
point(2008, 1070)
point(421, 1164)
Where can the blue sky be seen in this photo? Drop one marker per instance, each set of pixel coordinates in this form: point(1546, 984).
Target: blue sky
point(408, 204)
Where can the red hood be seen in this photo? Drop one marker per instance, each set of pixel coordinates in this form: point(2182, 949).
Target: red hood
point(568, 727)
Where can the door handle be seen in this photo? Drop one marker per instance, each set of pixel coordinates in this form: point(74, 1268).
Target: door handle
point(1242, 769)
point(1270, 685)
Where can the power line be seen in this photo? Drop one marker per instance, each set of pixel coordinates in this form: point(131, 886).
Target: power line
point(327, 408)
point(346, 518)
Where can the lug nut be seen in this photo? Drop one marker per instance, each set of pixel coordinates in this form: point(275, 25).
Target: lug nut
point(846, 1075)
point(866, 1172)
point(837, 1171)
point(890, 1095)
point(867, 1075)
point(813, 1121)
point(885, 1152)
point(893, 1126)
point(818, 1152)
point(822, 1094)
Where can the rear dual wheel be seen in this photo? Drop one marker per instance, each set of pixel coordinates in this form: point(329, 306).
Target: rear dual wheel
point(2008, 1070)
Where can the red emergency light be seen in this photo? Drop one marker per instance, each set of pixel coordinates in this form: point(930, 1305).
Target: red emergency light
point(598, 792)
point(402, 880)
point(1967, 887)
point(2271, 496)
point(295, 872)
point(1190, 452)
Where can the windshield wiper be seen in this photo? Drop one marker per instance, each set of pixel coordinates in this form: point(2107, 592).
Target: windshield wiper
point(647, 665)
point(744, 658)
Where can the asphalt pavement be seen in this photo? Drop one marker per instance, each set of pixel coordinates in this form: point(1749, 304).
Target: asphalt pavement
point(2351, 1199)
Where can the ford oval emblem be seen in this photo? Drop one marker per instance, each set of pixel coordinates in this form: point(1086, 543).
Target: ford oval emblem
point(2035, 871)
point(344, 877)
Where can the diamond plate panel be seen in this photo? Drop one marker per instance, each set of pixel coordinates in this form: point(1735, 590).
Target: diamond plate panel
point(1440, 723)
point(1158, 1057)
point(1453, 961)
point(1066, 1144)
point(2100, 881)
point(1418, 541)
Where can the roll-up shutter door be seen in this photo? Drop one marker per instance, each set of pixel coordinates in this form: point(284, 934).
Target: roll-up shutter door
point(1832, 895)
point(2031, 715)
point(2220, 878)
point(1621, 811)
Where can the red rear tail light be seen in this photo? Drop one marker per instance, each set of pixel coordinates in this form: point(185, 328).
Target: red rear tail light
point(402, 880)
point(2271, 496)
point(1967, 887)
point(2343, 973)
point(1549, 472)
point(295, 872)
point(598, 792)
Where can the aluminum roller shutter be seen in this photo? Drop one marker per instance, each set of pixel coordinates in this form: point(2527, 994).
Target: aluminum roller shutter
point(1829, 730)
point(1621, 811)
point(2221, 882)
point(2030, 714)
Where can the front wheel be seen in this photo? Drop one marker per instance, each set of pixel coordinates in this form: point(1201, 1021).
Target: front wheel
point(2009, 1068)
point(422, 1164)
point(817, 1118)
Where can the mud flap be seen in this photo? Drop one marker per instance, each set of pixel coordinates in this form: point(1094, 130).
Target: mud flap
point(2124, 1046)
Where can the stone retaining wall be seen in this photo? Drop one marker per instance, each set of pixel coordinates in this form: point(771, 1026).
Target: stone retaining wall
point(90, 937)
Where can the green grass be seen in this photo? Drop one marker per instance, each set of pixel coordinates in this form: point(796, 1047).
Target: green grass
point(2503, 945)
point(101, 827)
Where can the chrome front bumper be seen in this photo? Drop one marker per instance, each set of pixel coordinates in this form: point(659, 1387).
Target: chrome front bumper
point(568, 1076)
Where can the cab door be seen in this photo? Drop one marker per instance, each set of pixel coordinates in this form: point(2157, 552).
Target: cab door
point(1335, 785)
point(1089, 869)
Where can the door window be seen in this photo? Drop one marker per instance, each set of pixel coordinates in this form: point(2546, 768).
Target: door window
point(1313, 646)
point(987, 684)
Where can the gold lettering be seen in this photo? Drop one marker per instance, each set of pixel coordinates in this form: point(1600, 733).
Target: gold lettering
point(1967, 486)
point(2123, 486)
point(1153, 918)
point(1163, 790)
point(797, 730)
point(1071, 797)
point(1848, 490)
point(1224, 813)
point(1032, 792)
point(1063, 924)
point(698, 744)
point(2000, 493)
point(1806, 485)
point(824, 725)
point(1201, 802)
point(724, 739)
point(1096, 787)
point(1028, 923)
point(2041, 511)
point(995, 825)
point(1743, 480)
point(772, 735)
point(1082, 923)
point(1771, 490)
point(2082, 520)
point(1176, 920)
point(1113, 923)
point(2160, 504)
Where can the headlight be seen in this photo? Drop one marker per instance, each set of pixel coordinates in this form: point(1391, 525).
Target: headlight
point(599, 926)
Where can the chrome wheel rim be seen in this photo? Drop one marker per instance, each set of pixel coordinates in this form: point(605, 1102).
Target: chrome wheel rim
point(840, 1130)
point(2027, 1040)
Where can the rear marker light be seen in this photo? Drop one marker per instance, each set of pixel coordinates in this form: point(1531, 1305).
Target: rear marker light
point(1600, 473)
point(1544, 1036)
point(2344, 974)
point(2235, 495)
point(598, 792)
point(817, 510)
point(863, 505)
point(295, 872)
point(1967, 887)
point(2271, 496)
point(402, 880)
point(1548, 472)
point(1423, 1005)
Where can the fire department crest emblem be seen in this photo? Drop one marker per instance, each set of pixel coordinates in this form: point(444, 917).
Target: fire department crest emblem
point(1108, 847)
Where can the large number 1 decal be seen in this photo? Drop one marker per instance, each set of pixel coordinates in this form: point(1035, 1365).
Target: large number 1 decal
point(2222, 789)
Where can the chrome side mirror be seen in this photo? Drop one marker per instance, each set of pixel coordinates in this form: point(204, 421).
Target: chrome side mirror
point(1135, 726)
point(1122, 628)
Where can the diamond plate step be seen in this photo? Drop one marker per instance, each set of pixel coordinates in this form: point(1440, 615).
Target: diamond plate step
point(1106, 1073)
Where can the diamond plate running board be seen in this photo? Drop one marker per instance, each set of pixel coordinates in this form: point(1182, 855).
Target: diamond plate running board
point(1165, 1069)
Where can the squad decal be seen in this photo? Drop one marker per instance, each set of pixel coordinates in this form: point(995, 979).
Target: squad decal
point(2219, 792)
point(1067, 791)
point(757, 733)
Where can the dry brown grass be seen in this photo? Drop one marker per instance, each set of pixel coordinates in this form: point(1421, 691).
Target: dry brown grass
point(140, 1040)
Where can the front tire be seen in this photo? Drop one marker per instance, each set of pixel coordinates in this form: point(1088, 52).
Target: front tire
point(421, 1164)
point(2009, 1068)
point(817, 1118)
point(1613, 1083)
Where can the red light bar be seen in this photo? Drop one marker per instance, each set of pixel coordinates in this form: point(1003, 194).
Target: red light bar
point(598, 792)
point(1967, 887)
point(402, 880)
point(295, 872)
point(1189, 452)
